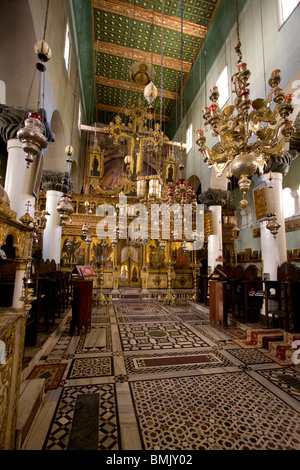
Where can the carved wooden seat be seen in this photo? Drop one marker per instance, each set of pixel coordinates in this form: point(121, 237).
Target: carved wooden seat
point(282, 298)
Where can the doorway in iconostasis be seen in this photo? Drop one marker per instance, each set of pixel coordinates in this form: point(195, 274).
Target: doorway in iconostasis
point(130, 259)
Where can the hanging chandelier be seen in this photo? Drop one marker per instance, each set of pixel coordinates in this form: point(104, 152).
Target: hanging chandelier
point(247, 138)
point(182, 192)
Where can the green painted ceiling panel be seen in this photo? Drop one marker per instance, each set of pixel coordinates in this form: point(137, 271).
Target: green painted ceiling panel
point(136, 33)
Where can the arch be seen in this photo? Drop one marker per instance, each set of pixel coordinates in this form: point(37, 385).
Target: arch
point(9, 246)
point(55, 157)
point(195, 181)
point(17, 65)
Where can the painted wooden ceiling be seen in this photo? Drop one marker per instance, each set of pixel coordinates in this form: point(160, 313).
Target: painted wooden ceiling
point(165, 34)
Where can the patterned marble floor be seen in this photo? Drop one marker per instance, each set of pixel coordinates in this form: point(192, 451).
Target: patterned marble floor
point(153, 377)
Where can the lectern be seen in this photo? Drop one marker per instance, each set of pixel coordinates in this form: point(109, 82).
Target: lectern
point(217, 299)
point(81, 305)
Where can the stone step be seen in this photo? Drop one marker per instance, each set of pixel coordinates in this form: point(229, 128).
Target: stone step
point(32, 394)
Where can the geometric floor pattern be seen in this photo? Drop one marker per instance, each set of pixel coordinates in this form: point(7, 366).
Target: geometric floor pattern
point(184, 413)
point(154, 377)
point(107, 428)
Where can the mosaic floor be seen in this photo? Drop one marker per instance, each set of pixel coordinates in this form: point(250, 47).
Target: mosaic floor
point(153, 377)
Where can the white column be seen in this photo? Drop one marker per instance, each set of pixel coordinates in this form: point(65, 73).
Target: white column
point(215, 248)
point(52, 232)
point(273, 249)
point(19, 179)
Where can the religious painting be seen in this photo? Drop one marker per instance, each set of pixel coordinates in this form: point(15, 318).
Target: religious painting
point(102, 253)
point(134, 274)
point(170, 174)
point(156, 257)
point(124, 274)
point(180, 258)
point(260, 202)
point(96, 161)
point(130, 274)
point(72, 251)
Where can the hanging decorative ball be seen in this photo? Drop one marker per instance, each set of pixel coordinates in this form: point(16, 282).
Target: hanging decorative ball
point(150, 93)
point(42, 50)
point(69, 150)
point(32, 137)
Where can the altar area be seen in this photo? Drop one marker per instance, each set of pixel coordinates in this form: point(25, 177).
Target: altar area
point(133, 178)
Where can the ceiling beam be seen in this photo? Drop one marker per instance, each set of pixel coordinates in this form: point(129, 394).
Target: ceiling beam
point(120, 110)
point(141, 56)
point(130, 86)
point(147, 16)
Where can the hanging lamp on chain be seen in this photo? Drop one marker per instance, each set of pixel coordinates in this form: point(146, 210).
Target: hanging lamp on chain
point(32, 135)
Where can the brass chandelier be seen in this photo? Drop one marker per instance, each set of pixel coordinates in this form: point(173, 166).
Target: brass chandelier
point(247, 138)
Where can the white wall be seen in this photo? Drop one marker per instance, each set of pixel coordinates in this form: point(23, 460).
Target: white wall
point(265, 47)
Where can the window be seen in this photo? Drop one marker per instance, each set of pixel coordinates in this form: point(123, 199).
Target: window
point(223, 86)
point(2, 92)
point(189, 138)
point(290, 202)
point(79, 117)
point(287, 7)
point(67, 48)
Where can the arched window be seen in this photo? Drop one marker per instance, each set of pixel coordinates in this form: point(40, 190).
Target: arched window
point(67, 50)
point(288, 203)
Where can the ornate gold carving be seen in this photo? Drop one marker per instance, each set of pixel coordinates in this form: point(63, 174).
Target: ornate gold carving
point(12, 328)
point(132, 86)
point(141, 56)
point(144, 15)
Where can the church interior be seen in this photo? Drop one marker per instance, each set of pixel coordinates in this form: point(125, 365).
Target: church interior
point(149, 225)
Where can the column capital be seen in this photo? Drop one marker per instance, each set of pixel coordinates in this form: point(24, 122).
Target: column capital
point(214, 197)
point(56, 181)
point(21, 263)
point(281, 164)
